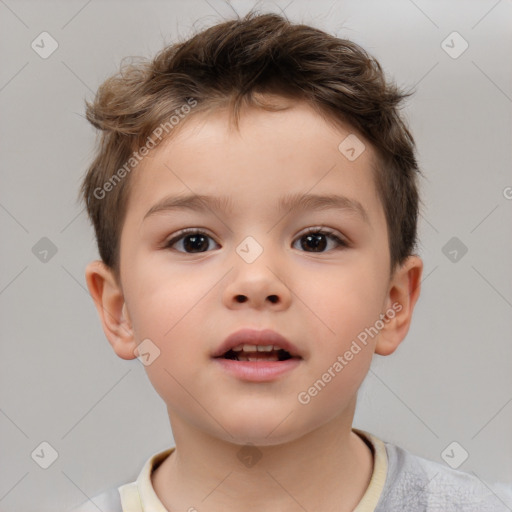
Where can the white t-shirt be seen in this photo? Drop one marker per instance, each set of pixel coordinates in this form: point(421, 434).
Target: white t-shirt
point(400, 482)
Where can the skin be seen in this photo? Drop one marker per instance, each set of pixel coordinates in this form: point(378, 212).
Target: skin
point(186, 304)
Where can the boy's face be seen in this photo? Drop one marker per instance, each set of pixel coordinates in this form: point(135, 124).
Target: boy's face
point(255, 267)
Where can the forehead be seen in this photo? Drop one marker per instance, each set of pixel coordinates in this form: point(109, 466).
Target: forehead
point(271, 158)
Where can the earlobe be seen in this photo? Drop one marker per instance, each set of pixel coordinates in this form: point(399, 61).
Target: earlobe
point(110, 304)
point(404, 290)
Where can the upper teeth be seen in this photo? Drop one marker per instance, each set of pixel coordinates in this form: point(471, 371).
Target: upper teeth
point(255, 348)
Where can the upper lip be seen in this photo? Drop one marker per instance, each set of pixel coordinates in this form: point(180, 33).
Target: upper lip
point(255, 337)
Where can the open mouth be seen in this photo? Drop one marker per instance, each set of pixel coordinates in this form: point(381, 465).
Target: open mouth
point(257, 353)
point(256, 361)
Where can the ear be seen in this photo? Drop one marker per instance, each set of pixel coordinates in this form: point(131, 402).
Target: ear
point(404, 290)
point(109, 301)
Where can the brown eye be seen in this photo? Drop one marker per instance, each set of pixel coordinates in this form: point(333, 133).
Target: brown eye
point(191, 241)
point(317, 240)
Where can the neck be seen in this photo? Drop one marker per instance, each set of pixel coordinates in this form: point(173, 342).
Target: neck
point(326, 469)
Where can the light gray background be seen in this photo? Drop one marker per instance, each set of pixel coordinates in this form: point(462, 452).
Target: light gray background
point(451, 380)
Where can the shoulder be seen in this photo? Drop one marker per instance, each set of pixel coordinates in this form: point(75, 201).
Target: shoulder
point(127, 494)
point(108, 501)
point(415, 483)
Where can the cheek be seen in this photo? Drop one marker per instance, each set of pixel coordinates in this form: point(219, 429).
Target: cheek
point(160, 303)
point(342, 302)
point(332, 392)
point(170, 312)
point(344, 315)
point(335, 377)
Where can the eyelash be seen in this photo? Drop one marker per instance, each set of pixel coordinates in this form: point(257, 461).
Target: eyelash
point(317, 230)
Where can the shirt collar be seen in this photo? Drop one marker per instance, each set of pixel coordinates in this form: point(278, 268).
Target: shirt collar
point(147, 500)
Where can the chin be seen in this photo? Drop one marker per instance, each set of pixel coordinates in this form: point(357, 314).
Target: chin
point(261, 428)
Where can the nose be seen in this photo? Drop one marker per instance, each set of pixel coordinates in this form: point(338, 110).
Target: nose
point(257, 285)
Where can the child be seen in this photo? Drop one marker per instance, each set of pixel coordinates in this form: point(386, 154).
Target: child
point(280, 149)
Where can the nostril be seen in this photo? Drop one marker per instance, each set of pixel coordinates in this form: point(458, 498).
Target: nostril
point(243, 298)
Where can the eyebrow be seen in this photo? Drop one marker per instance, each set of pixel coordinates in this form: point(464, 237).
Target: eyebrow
point(290, 202)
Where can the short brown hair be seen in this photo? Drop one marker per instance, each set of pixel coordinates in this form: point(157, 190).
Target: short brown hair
point(235, 63)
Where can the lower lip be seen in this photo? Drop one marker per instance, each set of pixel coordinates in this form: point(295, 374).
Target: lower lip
point(258, 371)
